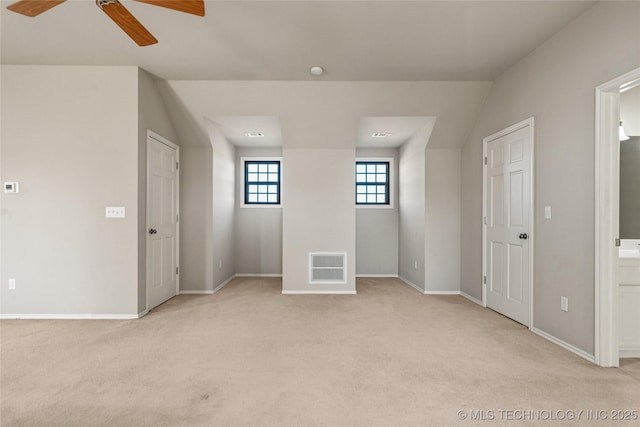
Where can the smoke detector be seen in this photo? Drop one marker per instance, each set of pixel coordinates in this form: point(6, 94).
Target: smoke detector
point(316, 71)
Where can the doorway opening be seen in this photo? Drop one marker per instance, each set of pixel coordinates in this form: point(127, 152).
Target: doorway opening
point(607, 214)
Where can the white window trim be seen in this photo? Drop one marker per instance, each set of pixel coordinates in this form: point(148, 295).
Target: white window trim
point(391, 182)
point(242, 173)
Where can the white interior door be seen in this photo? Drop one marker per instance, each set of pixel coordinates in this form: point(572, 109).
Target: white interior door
point(162, 220)
point(507, 223)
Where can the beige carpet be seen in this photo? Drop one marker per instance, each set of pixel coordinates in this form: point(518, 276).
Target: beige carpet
point(249, 356)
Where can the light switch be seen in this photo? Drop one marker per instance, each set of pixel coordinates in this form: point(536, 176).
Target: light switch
point(114, 212)
point(564, 303)
point(547, 212)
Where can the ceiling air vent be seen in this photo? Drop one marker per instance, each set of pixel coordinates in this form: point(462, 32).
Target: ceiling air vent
point(254, 134)
point(380, 135)
point(328, 267)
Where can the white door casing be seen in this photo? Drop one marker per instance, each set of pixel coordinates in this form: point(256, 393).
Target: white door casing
point(607, 211)
point(162, 220)
point(508, 222)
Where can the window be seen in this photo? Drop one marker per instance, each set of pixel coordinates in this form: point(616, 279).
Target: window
point(261, 182)
point(373, 182)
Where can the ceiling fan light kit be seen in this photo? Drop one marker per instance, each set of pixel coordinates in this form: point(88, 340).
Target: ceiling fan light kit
point(117, 12)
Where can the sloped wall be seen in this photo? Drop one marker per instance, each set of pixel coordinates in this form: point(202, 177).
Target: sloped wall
point(556, 85)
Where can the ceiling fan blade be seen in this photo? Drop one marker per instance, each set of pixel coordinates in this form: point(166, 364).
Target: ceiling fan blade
point(33, 7)
point(127, 22)
point(194, 7)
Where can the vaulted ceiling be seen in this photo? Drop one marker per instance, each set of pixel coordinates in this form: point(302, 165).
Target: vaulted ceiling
point(389, 64)
point(280, 40)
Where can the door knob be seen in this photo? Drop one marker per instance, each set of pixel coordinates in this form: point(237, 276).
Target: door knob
point(523, 236)
point(152, 231)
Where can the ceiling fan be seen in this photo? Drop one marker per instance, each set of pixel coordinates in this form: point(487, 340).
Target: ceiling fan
point(117, 12)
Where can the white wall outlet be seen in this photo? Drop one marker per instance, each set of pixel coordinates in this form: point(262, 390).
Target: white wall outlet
point(114, 212)
point(220, 263)
point(415, 264)
point(547, 212)
point(12, 284)
point(564, 303)
point(11, 188)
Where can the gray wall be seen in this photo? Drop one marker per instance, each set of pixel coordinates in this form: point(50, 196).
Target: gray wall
point(196, 218)
point(324, 128)
point(224, 202)
point(207, 209)
point(630, 188)
point(258, 231)
point(70, 136)
point(377, 228)
point(442, 220)
point(152, 115)
point(411, 205)
point(318, 213)
point(555, 84)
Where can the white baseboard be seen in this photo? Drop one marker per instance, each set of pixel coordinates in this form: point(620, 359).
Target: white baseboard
point(470, 298)
point(208, 291)
point(413, 285)
point(564, 345)
point(319, 292)
point(257, 275)
point(441, 292)
point(633, 352)
point(196, 292)
point(223, 284)
point(5, 316)
point(387, 276)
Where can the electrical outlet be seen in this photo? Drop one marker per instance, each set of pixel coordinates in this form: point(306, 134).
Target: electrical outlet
point(547, 212)
point(564, 303)
point(220, 263)
point(415, 264)
point(12, 284)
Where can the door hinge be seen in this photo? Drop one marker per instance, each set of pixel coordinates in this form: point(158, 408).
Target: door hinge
point(618, 242)
point(177, 217)
point(177, 271)
point(177, 165)
point(484, 220)
point(485, 160)
point(484, 280)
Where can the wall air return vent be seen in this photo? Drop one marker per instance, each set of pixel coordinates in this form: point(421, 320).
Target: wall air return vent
point(328, 267)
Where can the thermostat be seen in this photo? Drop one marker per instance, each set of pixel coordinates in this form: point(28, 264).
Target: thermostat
point(10, 187)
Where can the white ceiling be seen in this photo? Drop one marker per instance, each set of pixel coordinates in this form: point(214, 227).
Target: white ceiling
point(234, 128)
point(326, 114)
point(267, 40)
point(399, 130)
point(392, 65)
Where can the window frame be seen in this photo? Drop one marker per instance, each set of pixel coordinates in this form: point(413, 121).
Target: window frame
point(244, 184)
point(390, 188)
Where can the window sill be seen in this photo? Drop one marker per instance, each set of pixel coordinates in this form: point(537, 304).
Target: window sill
point(243, 206)
point(374, 206)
